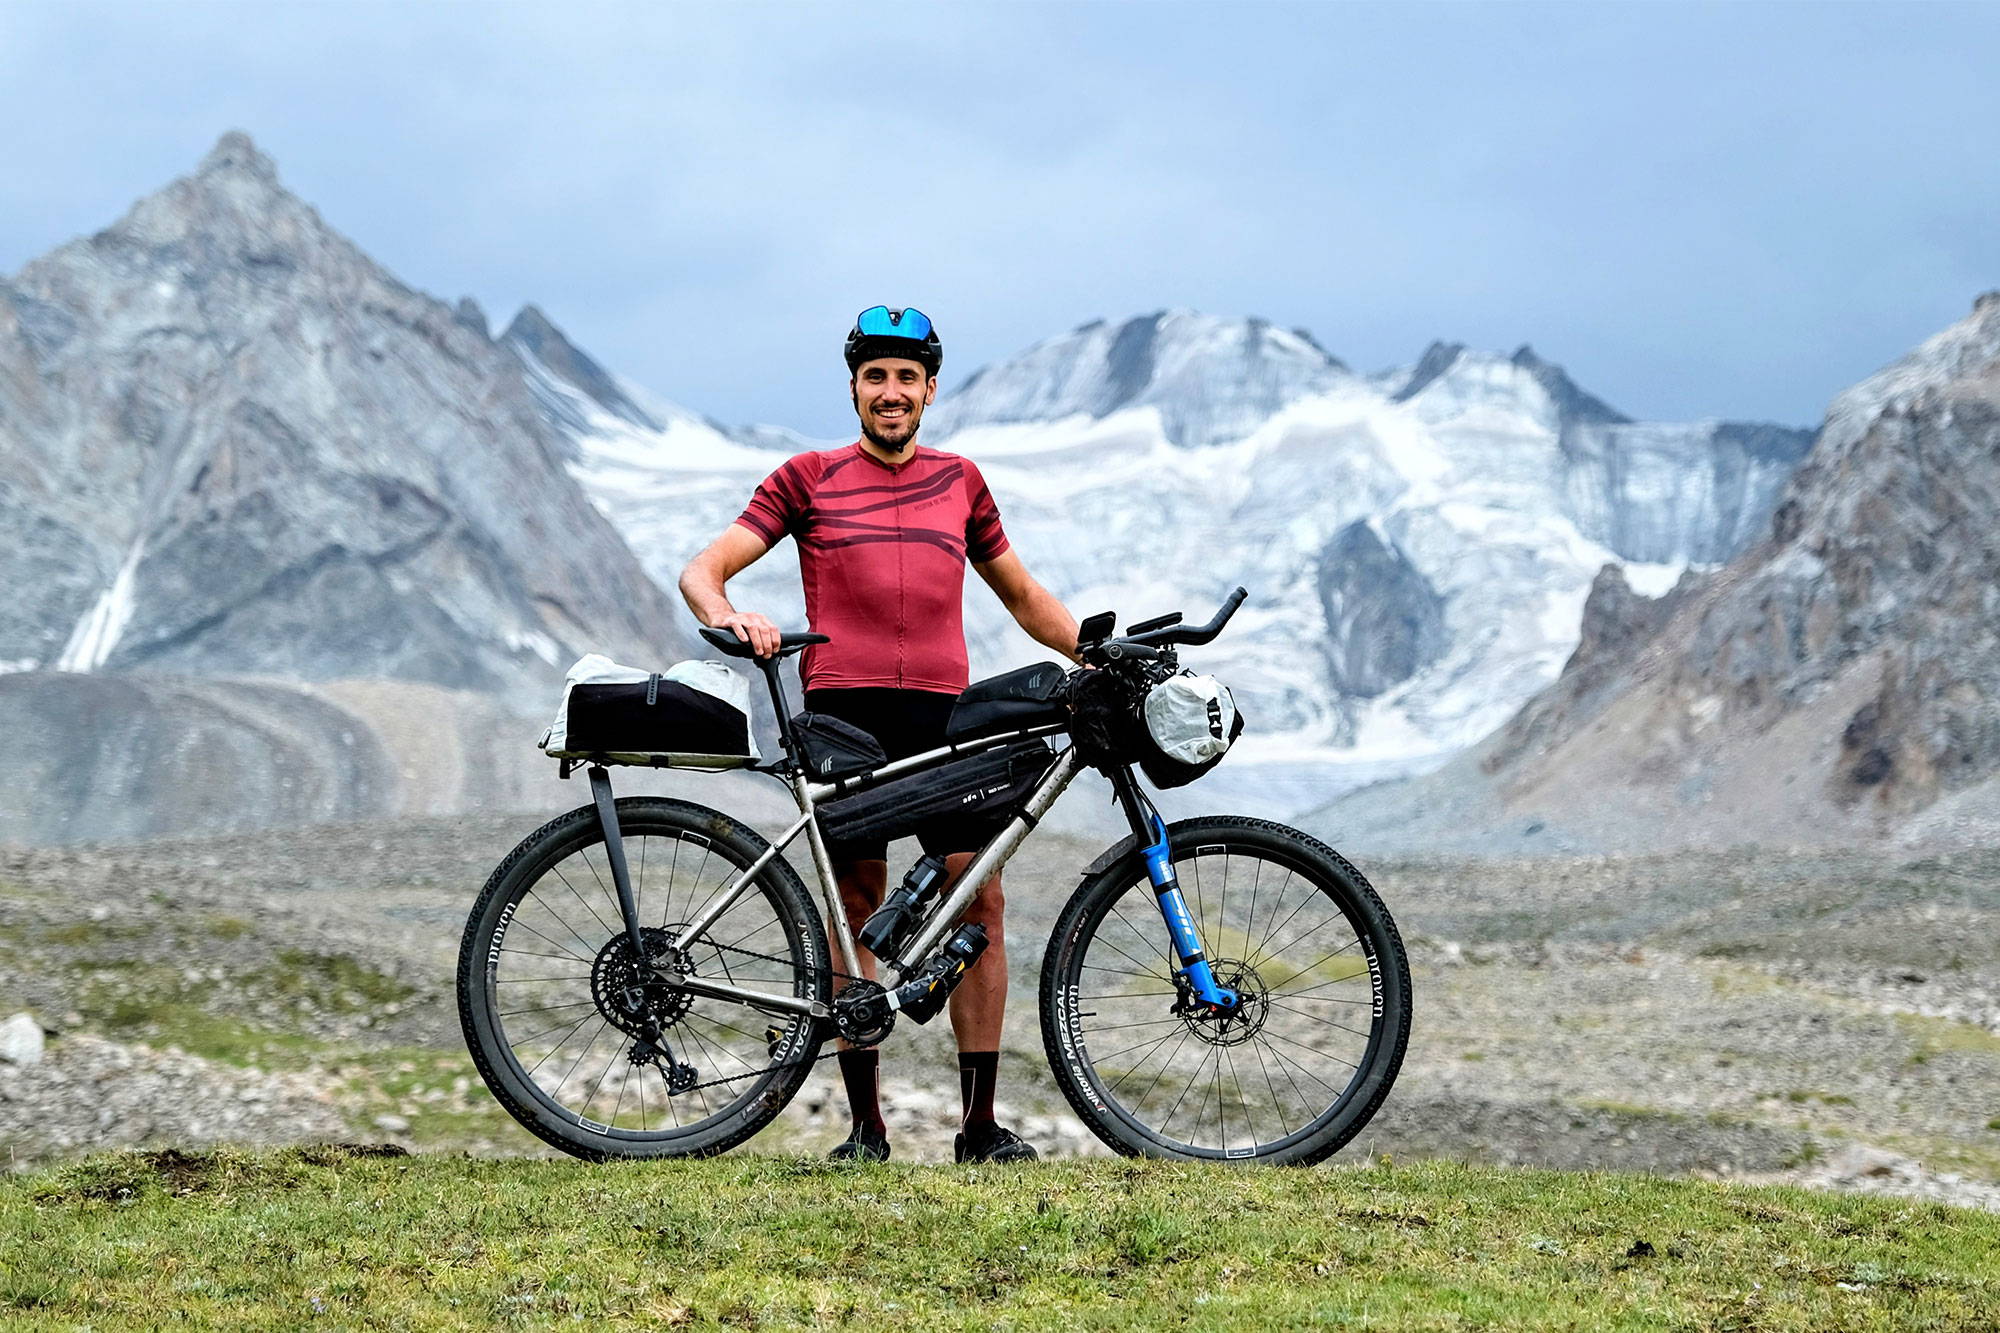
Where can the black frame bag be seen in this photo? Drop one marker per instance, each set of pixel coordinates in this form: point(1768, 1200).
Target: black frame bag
point(990, 782)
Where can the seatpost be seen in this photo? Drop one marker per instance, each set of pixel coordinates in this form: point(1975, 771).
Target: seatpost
point(777, 684)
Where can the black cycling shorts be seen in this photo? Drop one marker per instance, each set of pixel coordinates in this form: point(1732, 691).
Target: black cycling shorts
point(906, 722)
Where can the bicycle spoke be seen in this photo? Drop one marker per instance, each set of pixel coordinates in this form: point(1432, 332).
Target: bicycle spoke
point(1256, 879)
point(603, 888)
point(618, 1106)
point(1143, 976)
point(672, 869)
point(1277, 1102)
point(559, 957)
point(1128, 957)
point(1275, 953)
point(544, 1008)
point(1117, 911)
point(1144, 1022)
point(565, 1041)
point(1258, 951)
point(1307, 970)
point(517, 921)
point(1162, 1074)
point(1151, 1044)
point(1327, 1022)
point(1279, 1036)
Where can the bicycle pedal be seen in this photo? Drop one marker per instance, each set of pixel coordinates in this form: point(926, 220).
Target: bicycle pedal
point(773, 1038)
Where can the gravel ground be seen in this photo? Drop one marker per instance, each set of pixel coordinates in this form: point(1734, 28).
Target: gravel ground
point(1831, 1019)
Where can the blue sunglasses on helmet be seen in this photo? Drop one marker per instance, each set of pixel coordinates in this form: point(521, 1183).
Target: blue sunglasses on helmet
point(880, 321)
point(880, 331)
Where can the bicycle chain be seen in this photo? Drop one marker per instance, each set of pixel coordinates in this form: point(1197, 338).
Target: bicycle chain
point(770, 1069)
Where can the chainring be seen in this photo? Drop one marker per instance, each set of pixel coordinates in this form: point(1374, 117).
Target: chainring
point(861, 1014)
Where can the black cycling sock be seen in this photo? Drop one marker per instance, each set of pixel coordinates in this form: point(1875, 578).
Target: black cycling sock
point(860, 1075)
point(978, 1071)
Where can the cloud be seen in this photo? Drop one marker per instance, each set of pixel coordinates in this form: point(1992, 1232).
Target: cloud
point(1702, 210)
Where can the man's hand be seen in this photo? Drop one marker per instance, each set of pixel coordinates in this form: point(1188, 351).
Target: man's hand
point(753, 629)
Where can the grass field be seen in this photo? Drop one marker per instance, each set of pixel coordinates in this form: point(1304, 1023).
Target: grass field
point(334, 1238)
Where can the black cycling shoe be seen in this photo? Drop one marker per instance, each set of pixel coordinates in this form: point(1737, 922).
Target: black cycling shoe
point(864, 1144)
point(991, 1143)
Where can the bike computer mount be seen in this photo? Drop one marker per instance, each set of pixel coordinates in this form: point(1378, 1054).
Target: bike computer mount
point(1096, 629)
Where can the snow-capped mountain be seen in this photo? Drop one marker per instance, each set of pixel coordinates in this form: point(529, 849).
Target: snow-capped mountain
point(232, 444)
point(1836, 682)
point(1211, 380)
point(1418, 545)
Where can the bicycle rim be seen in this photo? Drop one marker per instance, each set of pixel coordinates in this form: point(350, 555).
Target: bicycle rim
point(1297, 1070)
point(558, 977)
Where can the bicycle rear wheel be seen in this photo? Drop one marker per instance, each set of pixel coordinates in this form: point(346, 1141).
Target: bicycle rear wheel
point(555, 1011)
point(1297, 1069)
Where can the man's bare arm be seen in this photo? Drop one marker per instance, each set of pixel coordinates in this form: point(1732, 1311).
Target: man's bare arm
point(1033, 607)
point(703, 579)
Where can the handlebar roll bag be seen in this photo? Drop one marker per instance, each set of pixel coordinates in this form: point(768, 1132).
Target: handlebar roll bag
point(1191, 721)
point(1176, 727)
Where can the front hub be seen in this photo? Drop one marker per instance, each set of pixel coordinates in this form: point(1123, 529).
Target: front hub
point(1233, 1026)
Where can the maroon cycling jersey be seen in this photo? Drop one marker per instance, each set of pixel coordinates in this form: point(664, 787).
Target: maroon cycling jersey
point(882, 551)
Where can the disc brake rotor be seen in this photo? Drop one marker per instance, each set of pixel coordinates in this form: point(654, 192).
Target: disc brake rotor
point(1227, 1027)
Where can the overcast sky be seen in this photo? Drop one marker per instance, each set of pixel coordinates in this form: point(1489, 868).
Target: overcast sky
point(1728, 210)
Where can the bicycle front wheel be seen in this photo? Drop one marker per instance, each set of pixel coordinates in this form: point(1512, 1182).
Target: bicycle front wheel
point(560, 1017)
point(1290, 1075)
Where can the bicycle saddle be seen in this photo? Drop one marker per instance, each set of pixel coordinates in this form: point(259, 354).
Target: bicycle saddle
point(735, 647)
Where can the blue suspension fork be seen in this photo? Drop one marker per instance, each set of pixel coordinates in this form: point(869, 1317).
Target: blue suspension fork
point(1151, 831)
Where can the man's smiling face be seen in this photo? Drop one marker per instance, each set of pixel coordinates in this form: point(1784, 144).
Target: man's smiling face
point(890, 395)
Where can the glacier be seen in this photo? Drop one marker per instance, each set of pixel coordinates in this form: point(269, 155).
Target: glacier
point(1152, 471)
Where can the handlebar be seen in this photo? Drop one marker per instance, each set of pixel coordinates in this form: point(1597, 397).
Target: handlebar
point(1146, 646)
point(1181, 634)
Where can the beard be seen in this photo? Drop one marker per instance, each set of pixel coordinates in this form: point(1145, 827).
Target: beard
point(896, 436)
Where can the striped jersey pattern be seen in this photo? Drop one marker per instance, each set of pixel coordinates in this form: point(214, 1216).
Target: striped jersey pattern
point(882, 552)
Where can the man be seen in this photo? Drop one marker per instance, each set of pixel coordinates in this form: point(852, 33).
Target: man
point(884, 528)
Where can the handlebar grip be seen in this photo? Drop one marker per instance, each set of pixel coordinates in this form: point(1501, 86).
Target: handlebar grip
point(1177, 634)
point(1213, 627)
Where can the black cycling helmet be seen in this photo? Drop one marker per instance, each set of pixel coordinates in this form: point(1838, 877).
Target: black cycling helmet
point(879, 331)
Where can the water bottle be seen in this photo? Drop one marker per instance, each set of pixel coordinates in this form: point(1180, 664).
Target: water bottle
point(890, 925)
point(922, 997)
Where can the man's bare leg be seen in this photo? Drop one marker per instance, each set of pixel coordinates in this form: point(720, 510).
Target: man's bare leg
point(861, 885)
point(978, 1011)
point(979, 1005)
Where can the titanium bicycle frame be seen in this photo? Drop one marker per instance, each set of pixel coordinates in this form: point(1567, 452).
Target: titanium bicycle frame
point(1148, 829)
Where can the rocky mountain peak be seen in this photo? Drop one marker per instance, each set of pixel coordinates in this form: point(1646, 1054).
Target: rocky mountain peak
point(1436, 360)
point(1840, 674)
point(1450, 377)
point(248, 449)
point(1211, 379)
point(543, 347)
point(235, 154)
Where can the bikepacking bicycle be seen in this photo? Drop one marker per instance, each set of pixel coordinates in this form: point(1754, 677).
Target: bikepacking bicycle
point(646, 977)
